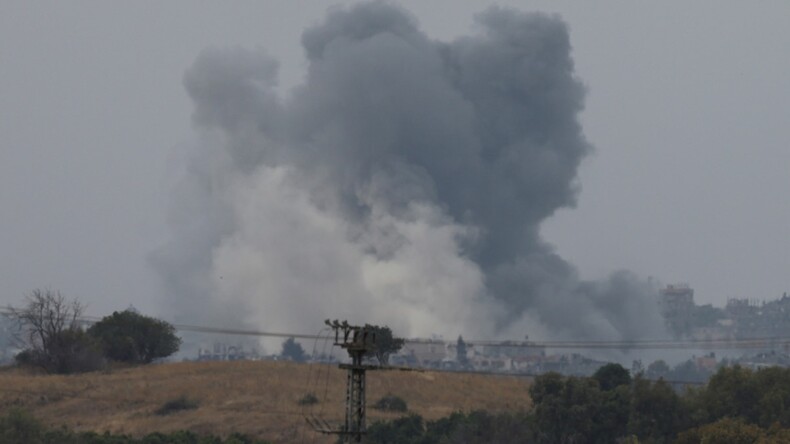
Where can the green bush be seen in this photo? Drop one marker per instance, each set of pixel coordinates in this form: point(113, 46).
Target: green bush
point(176, 405)
point(308, 399)
point(391, 403)
point(128, 336)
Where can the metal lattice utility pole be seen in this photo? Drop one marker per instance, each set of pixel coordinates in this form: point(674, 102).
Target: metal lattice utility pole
point(355, 388)
point(357, 341)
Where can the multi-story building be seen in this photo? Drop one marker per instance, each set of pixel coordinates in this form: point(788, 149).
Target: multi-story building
point(677, 307)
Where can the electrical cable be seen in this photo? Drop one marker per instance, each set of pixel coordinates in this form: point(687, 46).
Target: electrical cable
point(642, 344)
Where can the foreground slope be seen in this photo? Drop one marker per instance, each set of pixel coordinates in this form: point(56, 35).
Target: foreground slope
point(256, 398)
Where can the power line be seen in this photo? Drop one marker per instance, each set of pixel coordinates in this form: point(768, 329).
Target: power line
point(745, 343)
point(641, 344)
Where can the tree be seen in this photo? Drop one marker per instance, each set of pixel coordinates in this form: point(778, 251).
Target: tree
point(657, 369)
point(128, 336)
point(51, 331)
point(481, 427)
point(731, 392)
point(612, 375)
point(773, 408)
point(656, 410)
point(391, 403)
point(546, 386)
point(46, 315)
point(293, 350)
point(476, 427)
point(570, 409)
point(606, 408)
point(760, 397)
point(727, 430)
point(688, 371)
point(460, 352)
point(611, 418)
point(404, 430)
point(384, 343)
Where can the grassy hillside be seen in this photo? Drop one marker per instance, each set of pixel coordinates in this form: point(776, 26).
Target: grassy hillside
point(256, 398)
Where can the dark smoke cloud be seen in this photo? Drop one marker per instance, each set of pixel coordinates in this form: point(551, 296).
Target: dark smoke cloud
point(403, 183)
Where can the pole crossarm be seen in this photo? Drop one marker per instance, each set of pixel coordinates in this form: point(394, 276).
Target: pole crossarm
point(358, 341)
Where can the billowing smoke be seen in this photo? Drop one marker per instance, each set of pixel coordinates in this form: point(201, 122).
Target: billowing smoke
point(403, 183)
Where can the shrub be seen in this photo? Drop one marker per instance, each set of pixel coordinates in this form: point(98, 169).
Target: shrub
point(308, 399)
point(391, 403)
point(27, 358)
point(408, 429)
point(176, 405)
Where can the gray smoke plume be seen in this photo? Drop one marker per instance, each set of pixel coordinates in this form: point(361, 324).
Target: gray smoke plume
point(404, 183)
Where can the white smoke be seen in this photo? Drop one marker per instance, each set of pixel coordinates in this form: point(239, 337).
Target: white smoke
point(302, 260)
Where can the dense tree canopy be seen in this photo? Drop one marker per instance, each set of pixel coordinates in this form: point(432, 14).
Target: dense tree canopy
point(737, 406)
point(461, 352)
point(293, 351)
point(657, 369)
point(611, 376)
point(128, 336)
point(385, 343)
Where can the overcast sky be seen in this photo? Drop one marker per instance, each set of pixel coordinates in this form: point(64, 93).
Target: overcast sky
point(688, 108)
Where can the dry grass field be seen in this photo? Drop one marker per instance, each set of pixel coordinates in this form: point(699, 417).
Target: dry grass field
point(256, 398)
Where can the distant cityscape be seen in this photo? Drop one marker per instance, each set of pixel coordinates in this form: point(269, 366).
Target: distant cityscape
point(739, 319)
point(685, 320)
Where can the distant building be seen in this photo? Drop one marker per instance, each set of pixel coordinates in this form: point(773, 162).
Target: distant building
point(707, 363)
point(678, 295)
point(741, 318)
point(512, 349)
point(741, 308)
point(224, 352)
point(425, 352)
point(677, 307)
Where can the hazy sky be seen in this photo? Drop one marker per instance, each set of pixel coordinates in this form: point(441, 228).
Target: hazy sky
point(688, 108)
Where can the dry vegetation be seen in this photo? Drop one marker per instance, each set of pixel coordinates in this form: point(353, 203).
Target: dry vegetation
point(256, 398)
